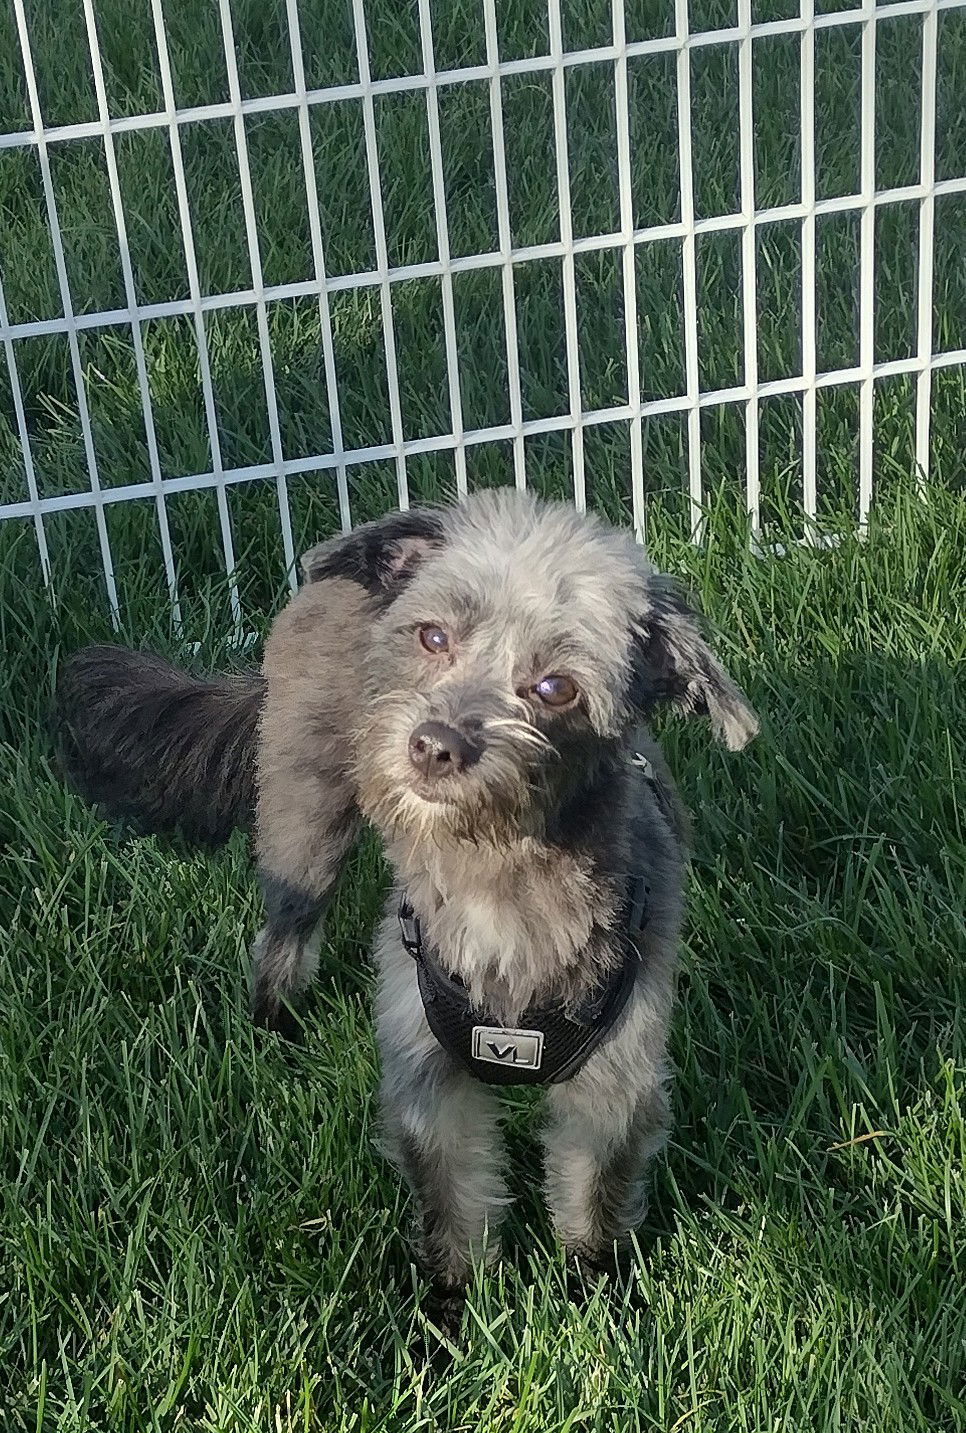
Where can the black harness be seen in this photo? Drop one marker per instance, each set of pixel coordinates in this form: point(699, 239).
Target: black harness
point(551, 1044)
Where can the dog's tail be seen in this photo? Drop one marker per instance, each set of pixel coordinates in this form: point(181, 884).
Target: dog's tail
point(156, 747)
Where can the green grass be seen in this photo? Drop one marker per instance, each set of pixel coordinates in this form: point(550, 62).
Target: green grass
point(196, 1226)
point(195, 1230)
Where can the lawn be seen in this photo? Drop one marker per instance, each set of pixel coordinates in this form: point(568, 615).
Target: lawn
point(195, 1229)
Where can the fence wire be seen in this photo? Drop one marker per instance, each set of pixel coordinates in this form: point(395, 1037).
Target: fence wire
point(341, 460)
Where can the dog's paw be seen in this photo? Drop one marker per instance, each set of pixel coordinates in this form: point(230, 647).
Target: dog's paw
point(444, 1306)
point(588, 1266)
point(437, 1337)
point(277, 1018)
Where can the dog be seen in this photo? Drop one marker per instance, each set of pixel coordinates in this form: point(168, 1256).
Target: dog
point(476, 684)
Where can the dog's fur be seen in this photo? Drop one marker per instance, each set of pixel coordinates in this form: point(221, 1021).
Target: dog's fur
point(519, 864)
point(156, 747)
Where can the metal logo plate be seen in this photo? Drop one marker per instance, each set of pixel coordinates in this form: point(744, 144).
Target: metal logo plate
point(521, 1048)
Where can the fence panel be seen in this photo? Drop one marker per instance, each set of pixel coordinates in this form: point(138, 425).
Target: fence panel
point(600, 101)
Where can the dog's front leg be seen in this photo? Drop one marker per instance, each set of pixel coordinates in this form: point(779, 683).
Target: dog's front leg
point(306, 822)
point(306, 817)
point(603, 1132)
point(301, 851)
point(441, 1128)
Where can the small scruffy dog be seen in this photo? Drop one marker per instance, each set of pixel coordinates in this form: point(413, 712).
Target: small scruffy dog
point(473, 682)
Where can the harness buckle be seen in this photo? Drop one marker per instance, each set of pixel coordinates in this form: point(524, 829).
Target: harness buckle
point(521, 1049)
point(409, 930)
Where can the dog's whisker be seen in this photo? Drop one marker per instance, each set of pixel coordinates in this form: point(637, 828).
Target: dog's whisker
point(519, 727)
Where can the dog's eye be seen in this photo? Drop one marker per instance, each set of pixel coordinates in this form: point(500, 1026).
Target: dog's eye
point(556, 691)
point(434, 639)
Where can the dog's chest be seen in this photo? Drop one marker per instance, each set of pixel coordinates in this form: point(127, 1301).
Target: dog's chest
point(483, 930)
point(507, 929)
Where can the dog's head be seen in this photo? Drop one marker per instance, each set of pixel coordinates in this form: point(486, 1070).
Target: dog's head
point(525, 641)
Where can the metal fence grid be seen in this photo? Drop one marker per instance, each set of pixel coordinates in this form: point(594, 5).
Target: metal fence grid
point(747, 221)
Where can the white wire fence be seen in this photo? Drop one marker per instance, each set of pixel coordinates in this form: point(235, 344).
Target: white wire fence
point(341, 460)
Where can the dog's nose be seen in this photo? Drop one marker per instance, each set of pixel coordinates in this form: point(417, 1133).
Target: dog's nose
point(439, 750)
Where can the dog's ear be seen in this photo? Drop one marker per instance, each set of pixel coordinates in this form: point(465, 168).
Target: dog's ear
point(673, 663)
point(379, 555)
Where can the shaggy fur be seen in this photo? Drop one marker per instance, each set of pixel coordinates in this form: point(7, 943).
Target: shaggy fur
point(405, 685)
point(519, 861)
point(156, 747)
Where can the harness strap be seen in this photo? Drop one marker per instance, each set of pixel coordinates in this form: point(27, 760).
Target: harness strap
point(550, 1045)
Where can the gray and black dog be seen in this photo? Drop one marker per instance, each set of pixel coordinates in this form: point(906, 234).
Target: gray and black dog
point(474, 682)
